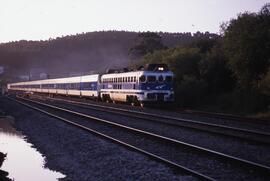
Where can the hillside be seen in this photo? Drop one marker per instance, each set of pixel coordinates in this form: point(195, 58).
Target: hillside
point(81, 53)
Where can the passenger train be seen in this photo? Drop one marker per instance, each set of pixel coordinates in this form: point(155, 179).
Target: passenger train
point(151, 83)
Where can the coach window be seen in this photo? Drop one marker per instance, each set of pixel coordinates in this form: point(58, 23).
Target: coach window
point(131, 79)
point(151, 79)
point(142, 78)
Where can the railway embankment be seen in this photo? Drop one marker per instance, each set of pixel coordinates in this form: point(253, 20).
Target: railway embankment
point(82, 156)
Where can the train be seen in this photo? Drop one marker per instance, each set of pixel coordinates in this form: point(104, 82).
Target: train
point(148, 84)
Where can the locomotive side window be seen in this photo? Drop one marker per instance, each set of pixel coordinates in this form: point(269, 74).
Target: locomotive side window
point(168, 79)
point(142, 78)
point(151, 79)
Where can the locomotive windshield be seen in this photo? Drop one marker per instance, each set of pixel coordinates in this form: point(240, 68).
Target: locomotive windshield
point(168, 79)
point(142, 78)
point(151, 79)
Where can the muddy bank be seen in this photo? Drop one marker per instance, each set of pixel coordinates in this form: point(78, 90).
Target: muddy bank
point(3, 174)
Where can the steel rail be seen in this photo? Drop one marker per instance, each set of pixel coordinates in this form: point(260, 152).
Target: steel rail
point(246, 133)
point(225, 116)
point(154, 156)
point(188, 145)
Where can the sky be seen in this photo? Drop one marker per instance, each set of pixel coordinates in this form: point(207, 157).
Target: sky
point(44, 19)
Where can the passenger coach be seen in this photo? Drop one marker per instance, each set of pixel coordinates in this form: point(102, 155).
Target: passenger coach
point(84, 86)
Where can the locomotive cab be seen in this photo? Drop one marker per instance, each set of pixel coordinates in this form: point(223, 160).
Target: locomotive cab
point(156, 83)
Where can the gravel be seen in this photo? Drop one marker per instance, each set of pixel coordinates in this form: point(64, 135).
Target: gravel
point(249, 150)
point(200, 162)
point(82, 156)
point(241, 124)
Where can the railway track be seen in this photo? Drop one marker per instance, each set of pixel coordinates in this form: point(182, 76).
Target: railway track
point(226, 116)
point(170, 151)
point(247, 134)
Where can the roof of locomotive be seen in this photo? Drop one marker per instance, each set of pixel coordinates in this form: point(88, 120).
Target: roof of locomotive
point(137, 74)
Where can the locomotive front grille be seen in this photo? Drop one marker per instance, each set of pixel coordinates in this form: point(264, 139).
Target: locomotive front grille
point(160, 96)
point(156, 96)
point(151, 96)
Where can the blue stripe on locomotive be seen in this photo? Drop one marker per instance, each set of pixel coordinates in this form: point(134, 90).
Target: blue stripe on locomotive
point(155, 86)
point(140, 86)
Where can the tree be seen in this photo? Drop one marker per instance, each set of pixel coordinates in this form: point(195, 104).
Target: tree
point(247, 45)
point(146, 42)
point(214, 70)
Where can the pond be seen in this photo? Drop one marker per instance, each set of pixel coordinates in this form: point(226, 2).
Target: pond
point(23, 162)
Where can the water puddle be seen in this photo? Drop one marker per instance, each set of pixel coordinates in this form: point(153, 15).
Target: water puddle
point(22, 162)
